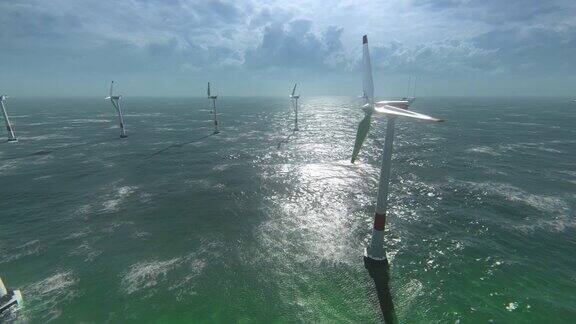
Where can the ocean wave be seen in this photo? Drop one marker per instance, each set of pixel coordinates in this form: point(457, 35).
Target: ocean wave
point(46, 297)
point(7, 167)
point(87, 251)
point(47, 137)
point(42, 177)
point(555, 211)
point(120, 194)
point(484, 150)
point(88, 121)
point(146, 274)
point(26, 249)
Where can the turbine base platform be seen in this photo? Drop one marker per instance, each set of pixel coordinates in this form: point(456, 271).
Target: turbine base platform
point(216, 132)
point(10, 301)
point(123, 136)
point(12, 140)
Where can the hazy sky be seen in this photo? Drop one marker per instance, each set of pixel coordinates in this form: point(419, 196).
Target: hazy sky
point(260, 47)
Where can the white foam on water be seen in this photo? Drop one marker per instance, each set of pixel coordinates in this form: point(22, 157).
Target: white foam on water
point(48, 296)
point(26, 249)
point(119, 195)
point(221, 167)
point(146, 274)
point(42, 177)
point(551, 205)
point(512, 306)
point(79, 234)
point(88, 121)
point(483, 150)
point(47, 137)
point(185, 286)
point(8, 166)
point(39, 124)
point(87, 251)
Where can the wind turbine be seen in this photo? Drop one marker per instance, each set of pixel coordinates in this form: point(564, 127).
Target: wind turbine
point(115, 100)
point(11, 137)
point(295, 105)
point(213, 98)
point(409, 98)
point(375, 252)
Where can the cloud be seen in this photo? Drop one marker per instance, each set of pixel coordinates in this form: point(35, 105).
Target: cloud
point(447, 57)
point(294, 45)
point(174, 38)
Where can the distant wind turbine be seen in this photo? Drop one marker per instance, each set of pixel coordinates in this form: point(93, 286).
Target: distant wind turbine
point(214, 112)
point(11, 137)
point(410, 97)
point(294, 98)
point(375, 252)
point(115, 100)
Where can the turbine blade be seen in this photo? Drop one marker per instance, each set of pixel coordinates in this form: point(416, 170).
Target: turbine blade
point(367, 82)
point(208, 91)
point(115, 104)
point(363, 129)
point(111, 88)
point(390, 110)
point(294, 90)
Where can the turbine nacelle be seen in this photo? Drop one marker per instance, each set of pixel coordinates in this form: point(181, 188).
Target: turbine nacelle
point(111, 95)
point(3, 97)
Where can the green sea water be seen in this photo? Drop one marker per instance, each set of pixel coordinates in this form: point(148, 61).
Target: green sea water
point(259, 224)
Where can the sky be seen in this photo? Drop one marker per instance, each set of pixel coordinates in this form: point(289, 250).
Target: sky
point(261, 47)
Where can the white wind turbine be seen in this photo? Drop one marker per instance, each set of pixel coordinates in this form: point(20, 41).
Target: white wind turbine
point(294, 98)
point(214, 112)
point(11, 137)
point(375, 252)
point(115, 100)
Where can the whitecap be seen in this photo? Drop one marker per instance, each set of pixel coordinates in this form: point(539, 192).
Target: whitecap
point(47, 296)
point(483, 150)
point(119, 195)
point(146, 274)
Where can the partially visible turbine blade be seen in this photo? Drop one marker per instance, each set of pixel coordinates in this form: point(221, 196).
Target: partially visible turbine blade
point(390, 110)
point(363, 129)
point(208, 91)
point(294, 90)
point(367, 82)
point(115, 104)
point(111, 88)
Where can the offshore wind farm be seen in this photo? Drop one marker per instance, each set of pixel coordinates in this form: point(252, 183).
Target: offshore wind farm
point(258, 186)
point(283, 231)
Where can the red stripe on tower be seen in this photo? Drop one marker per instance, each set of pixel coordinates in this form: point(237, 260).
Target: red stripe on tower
point(379, 221)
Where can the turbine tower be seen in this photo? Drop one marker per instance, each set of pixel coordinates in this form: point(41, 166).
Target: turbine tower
point(11, 137)
point(294, 98)
point(375, 252)
point(115, 100)
point(213, 98)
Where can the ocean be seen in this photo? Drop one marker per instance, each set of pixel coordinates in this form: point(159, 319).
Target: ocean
point(260, 224)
